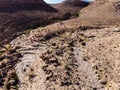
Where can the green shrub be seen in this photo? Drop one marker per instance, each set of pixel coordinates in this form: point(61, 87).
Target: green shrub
point(76, 14)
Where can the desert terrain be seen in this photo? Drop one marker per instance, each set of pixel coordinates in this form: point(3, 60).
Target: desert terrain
point(78, 53)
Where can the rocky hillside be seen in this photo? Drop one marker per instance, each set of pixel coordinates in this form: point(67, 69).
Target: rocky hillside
point(19, 5)
point(78, 3)
point(103, 12)
point(20, 15)
point(78, 54)
point(69, 59)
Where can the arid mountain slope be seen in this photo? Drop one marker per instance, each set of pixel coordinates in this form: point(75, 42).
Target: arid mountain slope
point(102, 12)
point(20, 5)
point(78, 54)
point(18, 16)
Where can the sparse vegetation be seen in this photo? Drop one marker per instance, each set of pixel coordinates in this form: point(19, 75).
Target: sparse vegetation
point(27, 31)
point(76, 14)
point(11, 82)
point(5, 49)
point(74, 54)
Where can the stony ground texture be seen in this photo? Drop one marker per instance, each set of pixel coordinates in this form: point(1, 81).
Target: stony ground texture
point(76, 59)
point(78, 54)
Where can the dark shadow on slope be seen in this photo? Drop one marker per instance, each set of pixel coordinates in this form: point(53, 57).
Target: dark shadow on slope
point(9, 8)
point(76, 3)
point(16, 18)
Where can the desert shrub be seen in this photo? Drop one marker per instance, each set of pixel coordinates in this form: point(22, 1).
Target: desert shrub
point(76, 14)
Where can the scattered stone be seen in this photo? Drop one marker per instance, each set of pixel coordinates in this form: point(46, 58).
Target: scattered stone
point(83, 44)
